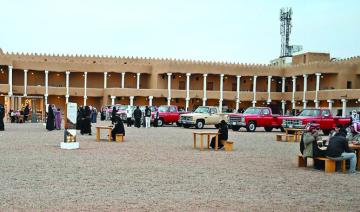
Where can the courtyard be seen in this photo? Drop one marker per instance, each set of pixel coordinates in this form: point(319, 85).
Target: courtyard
point(157, 169)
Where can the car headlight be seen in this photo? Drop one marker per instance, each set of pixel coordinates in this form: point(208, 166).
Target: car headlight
point(242, 119)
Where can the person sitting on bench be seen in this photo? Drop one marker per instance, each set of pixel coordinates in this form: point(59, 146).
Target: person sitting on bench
point(338, 149)
point(118, 128)
point(311, 144)
point(223, 135)
point(353, 134)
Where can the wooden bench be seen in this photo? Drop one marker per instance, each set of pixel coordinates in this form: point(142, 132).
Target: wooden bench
point(228, 145)
point(289, 137)
point(330, 165)
point(119, 137)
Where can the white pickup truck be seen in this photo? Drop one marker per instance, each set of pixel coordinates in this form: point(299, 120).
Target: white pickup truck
point(203, 115)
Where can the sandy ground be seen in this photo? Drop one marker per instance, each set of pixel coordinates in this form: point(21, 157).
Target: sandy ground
point(157, 169)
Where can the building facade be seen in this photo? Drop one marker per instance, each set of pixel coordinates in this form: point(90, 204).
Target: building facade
point(312, 80)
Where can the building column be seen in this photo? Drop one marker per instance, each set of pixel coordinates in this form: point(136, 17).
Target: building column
point(169, 89)
point(330, 102)
point(10, 80)
point(46, 87)
point(123, 80)
point(150, 100)
point(85, 99)
point(105, 80)
point(187, 100)
point(138, 81)
point(269, 90)
point(254, 92)
point(305, 90)
point(293, 92)
point(204, 90)
point(25, 82)
point(238, 92)
point(46, 82)
point(67, 87)
point(317, 89)
point(283, 102)
point(221, 92)
point(85, 88)
point(131, 100)
point(113, 100)
point(343, 107)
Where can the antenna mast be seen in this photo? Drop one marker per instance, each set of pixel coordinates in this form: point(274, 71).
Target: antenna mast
point(285, 30)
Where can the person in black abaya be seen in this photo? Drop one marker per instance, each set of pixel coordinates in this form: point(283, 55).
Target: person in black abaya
point(26, 112)
point(79, 117)
point(50, 122)
point(223, 135)
point(137, 116)
point(86, 122)
point(2, 115)
point(118, 128)
point(113, 115)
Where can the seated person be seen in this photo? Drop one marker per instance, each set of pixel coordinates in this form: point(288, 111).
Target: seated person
point(338, 129)
point(338, 148)
point(311, 144)
point(118, 128)
point(353, 134)
point(223, 135)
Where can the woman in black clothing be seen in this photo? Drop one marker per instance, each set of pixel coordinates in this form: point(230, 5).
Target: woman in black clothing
point(118, 128)
point(86, 122)
point(50, 122)
point(2, 115)
point(113, 115)
point(223, 135)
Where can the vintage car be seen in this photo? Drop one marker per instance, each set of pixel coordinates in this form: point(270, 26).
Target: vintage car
point(203, 115)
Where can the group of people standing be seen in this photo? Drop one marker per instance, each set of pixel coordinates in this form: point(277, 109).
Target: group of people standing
point(54, 118)
point(85, 116)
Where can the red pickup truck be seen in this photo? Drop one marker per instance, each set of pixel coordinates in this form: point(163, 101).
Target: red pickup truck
point(168, 115)
point(320, 116)
point(254, 117)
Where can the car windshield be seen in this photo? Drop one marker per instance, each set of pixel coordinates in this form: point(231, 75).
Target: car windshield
point(122, 107)
point(152, 108)
point(310, 113)
point(163, 109)
point(252, 110)
point(202, 110)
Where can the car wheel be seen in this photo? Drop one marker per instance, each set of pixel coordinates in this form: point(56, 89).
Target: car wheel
point(268, 129)
point(160, 122)
point(235, 128)
point(251, 126)
point(199, 124)
point(178, 124)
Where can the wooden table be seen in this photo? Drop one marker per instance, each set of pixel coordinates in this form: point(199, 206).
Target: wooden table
point(202, 133)
point(98, 128)
point(297, 133)
point(357, 149)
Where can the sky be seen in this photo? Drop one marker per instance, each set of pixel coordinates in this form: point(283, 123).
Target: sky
point(241, 31)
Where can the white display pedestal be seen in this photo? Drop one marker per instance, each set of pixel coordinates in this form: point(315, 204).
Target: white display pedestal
point(72, 145)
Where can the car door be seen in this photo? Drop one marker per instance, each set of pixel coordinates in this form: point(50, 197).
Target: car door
point(173, 114)
point(326, 121)
point(213, 116)
point(266, 118)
